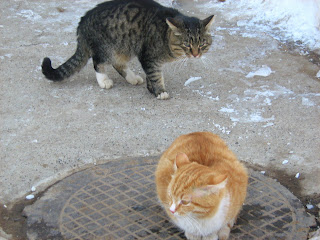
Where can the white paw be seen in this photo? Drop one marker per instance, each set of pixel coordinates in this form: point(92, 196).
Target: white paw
point(132, 78)
point(163, 96)
point(104, 81)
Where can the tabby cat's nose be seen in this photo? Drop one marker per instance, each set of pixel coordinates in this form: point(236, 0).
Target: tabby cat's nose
point(195, 53)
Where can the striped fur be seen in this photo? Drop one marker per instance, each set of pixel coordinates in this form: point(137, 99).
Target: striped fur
point(201, 185)
point(115, 31)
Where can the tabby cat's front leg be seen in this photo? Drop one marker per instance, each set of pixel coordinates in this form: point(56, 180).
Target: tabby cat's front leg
point(154, 79)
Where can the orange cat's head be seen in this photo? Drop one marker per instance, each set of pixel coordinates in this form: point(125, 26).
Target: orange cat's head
point(194, 189)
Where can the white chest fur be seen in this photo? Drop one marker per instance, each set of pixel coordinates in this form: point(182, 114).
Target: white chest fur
point(207, 226)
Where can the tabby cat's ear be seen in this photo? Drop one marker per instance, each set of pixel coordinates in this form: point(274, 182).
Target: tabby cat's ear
point(208, 22)
point(174, 24)
point(216, 183)
point(181, 159)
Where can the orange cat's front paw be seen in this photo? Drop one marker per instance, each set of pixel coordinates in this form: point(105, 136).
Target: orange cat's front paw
point(224, 233)
point(190, 236)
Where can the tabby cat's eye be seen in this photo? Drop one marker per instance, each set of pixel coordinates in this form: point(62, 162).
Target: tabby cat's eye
point(186, 45)
point(203, 44)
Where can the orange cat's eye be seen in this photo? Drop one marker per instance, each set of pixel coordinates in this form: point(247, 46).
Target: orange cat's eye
point(184, 202)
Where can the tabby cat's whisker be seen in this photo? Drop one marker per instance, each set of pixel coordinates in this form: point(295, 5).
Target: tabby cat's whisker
point(206, 60)
point(178, 63)
point(184, 60)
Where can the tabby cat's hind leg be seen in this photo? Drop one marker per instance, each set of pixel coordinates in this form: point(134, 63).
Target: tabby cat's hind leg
point(103, 80)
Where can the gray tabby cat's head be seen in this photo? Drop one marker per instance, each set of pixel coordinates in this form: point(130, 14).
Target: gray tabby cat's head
point(190, 36)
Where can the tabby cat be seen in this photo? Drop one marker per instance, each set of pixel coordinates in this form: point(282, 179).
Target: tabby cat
point(115, 31)
point(201, 185)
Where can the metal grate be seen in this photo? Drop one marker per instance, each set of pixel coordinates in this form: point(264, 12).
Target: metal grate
point(121, 203)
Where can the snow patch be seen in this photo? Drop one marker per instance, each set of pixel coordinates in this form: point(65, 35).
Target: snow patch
point(269, 124)
point(191, 79)
point(307, 102)
point(203, 94)
point(309, 206)
point(29, 15)
point(226, 110)
point(287, 21)
point(223, 129)
point(9, 55)
point(264, 71)
point(252, 118)
point(29, 197)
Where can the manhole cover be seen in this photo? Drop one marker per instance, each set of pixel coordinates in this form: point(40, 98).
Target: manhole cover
point(118, 200)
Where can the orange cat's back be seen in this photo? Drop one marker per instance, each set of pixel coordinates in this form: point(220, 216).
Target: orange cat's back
point(212, 155)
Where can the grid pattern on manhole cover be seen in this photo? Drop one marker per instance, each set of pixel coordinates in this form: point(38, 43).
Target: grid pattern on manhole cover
point(123, 205)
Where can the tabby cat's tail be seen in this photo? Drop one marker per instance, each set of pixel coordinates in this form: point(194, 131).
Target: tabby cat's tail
point(72, 65)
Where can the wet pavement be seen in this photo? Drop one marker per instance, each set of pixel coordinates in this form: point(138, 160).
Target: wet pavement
point(117, 200)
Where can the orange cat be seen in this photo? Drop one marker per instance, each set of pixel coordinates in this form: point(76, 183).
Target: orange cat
point(201, 185)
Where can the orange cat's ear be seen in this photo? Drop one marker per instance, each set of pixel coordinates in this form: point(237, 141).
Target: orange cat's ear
point(216, 183)
point(220, 179)
point(181, 159)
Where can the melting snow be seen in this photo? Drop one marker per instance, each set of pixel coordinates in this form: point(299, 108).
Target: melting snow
point(289, 20)
point(264, 71)
point(29, 197)
point(226, 110)
point(29, 14)
point(192, 79)
point(309, 206)
point(307, 102)
point(252, 118)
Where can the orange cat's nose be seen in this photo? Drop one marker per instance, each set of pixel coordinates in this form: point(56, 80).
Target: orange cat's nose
point(172, 208)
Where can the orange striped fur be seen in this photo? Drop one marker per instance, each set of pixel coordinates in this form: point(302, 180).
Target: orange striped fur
point(201, 185)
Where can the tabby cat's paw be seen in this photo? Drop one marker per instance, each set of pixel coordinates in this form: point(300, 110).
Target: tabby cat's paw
point(104, 81)
point(107, 84)
point(133, 79)
point(163, 96)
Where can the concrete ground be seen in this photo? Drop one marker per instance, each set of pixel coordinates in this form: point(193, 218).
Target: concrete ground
point(49, 130)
